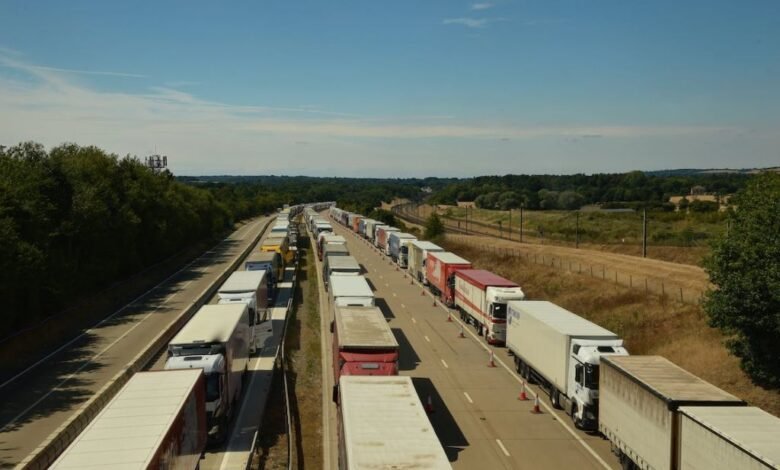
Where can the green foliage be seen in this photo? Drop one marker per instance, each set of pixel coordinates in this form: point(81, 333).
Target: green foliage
point(703, 206)
point(433, 227)
point(745, 269)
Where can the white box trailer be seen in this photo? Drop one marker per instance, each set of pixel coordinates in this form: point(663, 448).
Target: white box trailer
point(340, 266)
point(418, 253)
point(371, 229)
point(351, 291)
point(383, 425)
point(216, 339)
point(639, 400)
point(562, 351)
point(250, 288)
point(728, 437)
point(157, 420)
point(397, 248)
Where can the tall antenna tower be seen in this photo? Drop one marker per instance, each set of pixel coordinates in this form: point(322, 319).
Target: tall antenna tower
point(156, 163)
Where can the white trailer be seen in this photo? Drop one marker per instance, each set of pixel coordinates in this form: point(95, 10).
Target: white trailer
point(382, 424)
point(250, 288)
point(340, 266)
point(562, 352)
point(640, 397)
point(157, 420)
point(351, 291)
point(371, 230)
point(397, 246)
point(728, 437)
point(418, 253)
point(216, 339)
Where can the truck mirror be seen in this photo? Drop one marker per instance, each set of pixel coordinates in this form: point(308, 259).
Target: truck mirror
point(335, 394)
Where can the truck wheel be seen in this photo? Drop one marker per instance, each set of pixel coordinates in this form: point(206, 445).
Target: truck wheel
point(518, 365)
point(479, 330)
point(555, 399)
point(577, 422)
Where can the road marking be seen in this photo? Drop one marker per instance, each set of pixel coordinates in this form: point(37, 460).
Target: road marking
point(427, 339)
point(394, 295)
point(468, 398)
point(503, 449)
point(403, 306)
point(413, 320)
point(445, 364)
point(387, 285)
point(541, 402)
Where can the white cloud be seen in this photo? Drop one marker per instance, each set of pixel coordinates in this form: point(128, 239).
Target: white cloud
point(91, 72)
point(482, 6)
point(475, 23)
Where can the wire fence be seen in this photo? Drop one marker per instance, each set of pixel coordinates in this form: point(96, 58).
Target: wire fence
point(651, 285)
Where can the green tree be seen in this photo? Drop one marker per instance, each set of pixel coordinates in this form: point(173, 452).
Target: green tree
point(434, 227)
point(744, 267)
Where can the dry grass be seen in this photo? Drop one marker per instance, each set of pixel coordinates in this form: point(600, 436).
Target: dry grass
point(648, 324)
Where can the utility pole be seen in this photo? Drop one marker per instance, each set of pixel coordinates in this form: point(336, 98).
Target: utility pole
point(500, 230)
point(644, 233)
point(510, 223)
point(577, 231)
point(521, 224)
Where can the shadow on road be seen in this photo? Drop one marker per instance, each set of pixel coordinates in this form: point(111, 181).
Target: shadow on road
point(447, 430)
point(408, 358)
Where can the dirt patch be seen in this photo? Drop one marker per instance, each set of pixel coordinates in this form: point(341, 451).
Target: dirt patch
point(648, 323)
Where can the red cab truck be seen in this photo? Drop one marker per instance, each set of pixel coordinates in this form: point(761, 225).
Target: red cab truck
point(440, 268)
point(481, 298)
point(356, 223)
point(363, 344)
point(157, 420)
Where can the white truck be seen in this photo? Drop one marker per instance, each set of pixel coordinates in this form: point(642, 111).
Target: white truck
point(481, 298)
point(250, 288)
point(639, 411)
point(418, 253)
point(382, 424)
point(340, 265)
point(562, 352)
point(728, 437)
point(397, 246)
point(371, 230)
point(350, 291)
point(157, 420)
point(216, 339)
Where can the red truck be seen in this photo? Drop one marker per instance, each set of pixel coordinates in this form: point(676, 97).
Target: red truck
point(440, 268)
point(356, 223)
point(363, 344)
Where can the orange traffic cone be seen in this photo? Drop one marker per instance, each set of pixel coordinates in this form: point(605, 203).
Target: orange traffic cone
point(491, 362)
point(522, 395)
point(461, 335)
point(422, 292)
point(535, 410)
point(429, 405)
point(449, 317)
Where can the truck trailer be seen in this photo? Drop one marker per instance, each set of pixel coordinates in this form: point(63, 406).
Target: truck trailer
point(382, 235)
point(340, 266)
point(334, 249)
point(250, 288)
point(350, 291)
point(371, 230)
point(440, 268)
point(562, 352)
point(216, 339)
point(363, 344)
point(268, 261)
point(640, 399)
point(382, 424)
point(396, 247)
point(157, 420)
point(418, 254)
point(481, 297)
point(364, 224)
point(328, 237)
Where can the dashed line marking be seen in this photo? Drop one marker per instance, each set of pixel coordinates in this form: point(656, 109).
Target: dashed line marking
point(427, 339)
point(503, 449)
point(394, 295)
point(413, 320)
point(468, 398)
point(403, 306)
point(387, 285)
point(445, 364)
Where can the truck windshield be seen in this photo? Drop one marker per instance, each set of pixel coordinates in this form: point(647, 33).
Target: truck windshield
point(592, 376)
point(499, 311)
point(212, 387)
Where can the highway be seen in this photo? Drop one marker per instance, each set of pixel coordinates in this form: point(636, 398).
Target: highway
point(477, 415)
point(49, 393)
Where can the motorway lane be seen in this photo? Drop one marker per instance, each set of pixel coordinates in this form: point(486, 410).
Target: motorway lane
point(46, 395)
point(477, 416)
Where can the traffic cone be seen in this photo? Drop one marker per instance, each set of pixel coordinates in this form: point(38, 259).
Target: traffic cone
point(461, 335)
point(491, 362)
point(449, 318)
point(429, 405)
point(523, 396)
point(434, 301)
point(535, 410)
point(422, 292)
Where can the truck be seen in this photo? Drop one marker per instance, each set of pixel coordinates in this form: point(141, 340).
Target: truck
point(364, 225)
point(727, 437)
point(269, 261)
point(328, 237)
point(216, 339)
point(250, 288)
point(350, 291)
point(157, 420)
point(340, 266)
point(355, 224)
point(382, 235)
point(363, 344)
point(396, 247)
point(280, 229)
point(440, 267)
point(418, 254)
point(382, 424)
point(279, 245)
point(320, 227)
point(640, 399)
point(371, 230)
point(561, 351)
point(481, 298)
point(334, 249)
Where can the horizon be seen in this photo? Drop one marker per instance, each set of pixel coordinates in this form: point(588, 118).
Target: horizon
point(398, 91)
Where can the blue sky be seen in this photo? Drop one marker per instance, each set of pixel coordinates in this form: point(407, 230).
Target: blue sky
point(402, 88)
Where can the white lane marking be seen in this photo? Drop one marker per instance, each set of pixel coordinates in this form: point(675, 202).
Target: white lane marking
point(413, 320)
point(545, 405)
point(468, 398)
point(380, 277)
point(387, 285)
point(394, 295)
point(403, 306)
point(444, 364)
point(427, 339)
point(503, 449)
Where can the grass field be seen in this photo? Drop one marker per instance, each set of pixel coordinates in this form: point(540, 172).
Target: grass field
point(648, 324)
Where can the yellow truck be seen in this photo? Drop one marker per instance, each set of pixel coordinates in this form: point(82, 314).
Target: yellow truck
point(279, 245)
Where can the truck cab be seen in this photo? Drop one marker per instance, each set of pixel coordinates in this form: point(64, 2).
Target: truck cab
point(583, 389)
point(497, 298)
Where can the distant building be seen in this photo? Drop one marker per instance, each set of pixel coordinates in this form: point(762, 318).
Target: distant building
point(695, 195)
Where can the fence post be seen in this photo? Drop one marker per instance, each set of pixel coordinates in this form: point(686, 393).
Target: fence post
point(663, 289)
point(630, 280)
point(681, 295)
point(603, 272)
point(646, 290)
